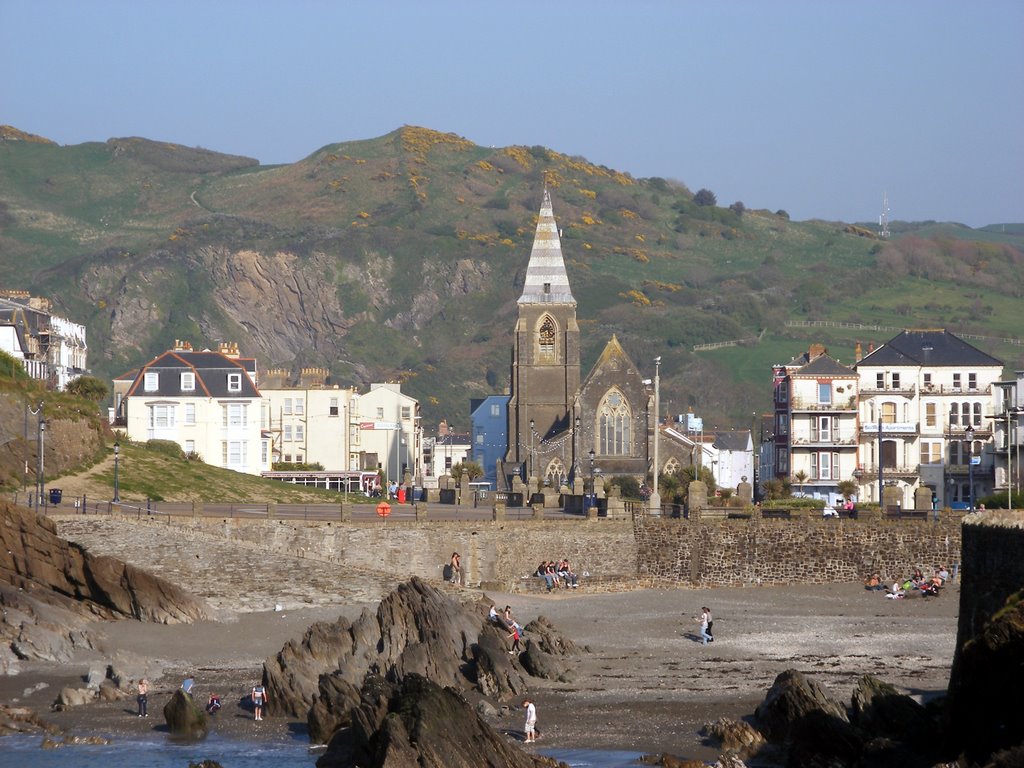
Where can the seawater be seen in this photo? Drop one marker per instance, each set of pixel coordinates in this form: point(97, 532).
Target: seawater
point(24, 752)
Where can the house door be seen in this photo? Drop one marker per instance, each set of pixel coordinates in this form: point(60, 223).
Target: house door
point(889, 454)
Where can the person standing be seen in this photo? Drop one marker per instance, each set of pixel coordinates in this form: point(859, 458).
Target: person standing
point(530, 728)
point(187, 684)
point(259, 697)
point(711, 624)
point(456, 568)
point(703, 621)
point(142, 697)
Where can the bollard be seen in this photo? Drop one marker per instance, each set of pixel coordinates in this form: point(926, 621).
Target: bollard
point(498, 512)
point(591, 513)
point(538, 511)
point(421, 512)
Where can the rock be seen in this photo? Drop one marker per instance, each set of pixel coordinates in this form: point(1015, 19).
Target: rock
point(330, 711)
point(820, 739)
point(109, 692)
point(184, 717)
point(547, 652)
point(495, 672)
point(791, 698)
point(734, 736)
point(23, 720)
point(73, 697)
point(981, 722)
point(95, 676)
point(419, 723)
point(880, 710)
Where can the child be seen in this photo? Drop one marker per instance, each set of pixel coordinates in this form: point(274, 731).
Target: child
point(530, 727)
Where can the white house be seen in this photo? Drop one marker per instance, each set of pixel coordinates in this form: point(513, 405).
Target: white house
point(927, 403)
point(386, 431)
point(51, 348)
point(207, 402)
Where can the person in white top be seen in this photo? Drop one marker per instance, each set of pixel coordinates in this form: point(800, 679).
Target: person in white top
point(530, 728)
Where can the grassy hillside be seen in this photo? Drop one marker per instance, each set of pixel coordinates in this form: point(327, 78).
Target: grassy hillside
point(400, 258)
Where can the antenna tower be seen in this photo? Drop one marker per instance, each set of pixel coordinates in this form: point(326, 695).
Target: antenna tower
point(883, 219)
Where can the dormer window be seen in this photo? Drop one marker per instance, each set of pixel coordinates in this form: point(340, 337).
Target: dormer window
point(547, 288)
point(234, 382)
point(151, 382)
point(188, 381)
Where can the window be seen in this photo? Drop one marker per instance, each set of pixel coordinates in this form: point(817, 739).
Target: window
point(614, 425)
point(880, 380)
point(888, 413)
point(956, 381)
point(151, 382)
point(190, 413)
point(234, 415)
point(264, 456)
point(300, 406)
point(783, 468)
point(300, 433)
point(332, 409)
point(895, 381)
point(190, 447)
point(380, 413)
point(287, 410)
point(234, 453)
point(406, 413)
point(479, 438)
point(954, 414)
point(546, 339)
point(972, 381)
point(977, 414)
point(288, 458)
point(782, 392)
point(234, 382)
point(825, 392)
point(824, 428)
point(161, 416)
point(298, 458)
point(824, 466)
point(287, 433)
point(783, 426)
point(930, 416)
point(928, 381)
point(188, 381)
point(931, 453)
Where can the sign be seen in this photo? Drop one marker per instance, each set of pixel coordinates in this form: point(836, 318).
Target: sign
point(383, 509)
point(975, 460)
point(888, 428)
point(382, 425)
point(694, 423)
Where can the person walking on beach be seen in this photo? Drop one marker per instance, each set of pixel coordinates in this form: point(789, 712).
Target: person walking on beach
point(187, 684)
point(142, 697)
point(530, 728)
point(258, 696)
point(703, 620)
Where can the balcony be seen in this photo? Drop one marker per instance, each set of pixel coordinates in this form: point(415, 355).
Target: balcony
point(957, 432)
point(871, 470)
point(946, 389)
point(808, 404)
point(904, 390)
point(819, 441)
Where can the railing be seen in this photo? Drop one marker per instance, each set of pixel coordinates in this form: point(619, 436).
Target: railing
point(820, 441)
point(801, 404)
point(869, 389)
point(872, 470)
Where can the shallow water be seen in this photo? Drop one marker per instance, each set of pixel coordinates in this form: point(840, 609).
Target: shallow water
point(24, 752)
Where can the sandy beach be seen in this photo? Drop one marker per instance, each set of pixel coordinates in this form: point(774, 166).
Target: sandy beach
point(645, 685)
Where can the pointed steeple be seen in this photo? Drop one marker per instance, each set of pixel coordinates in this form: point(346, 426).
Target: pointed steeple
point(546, 278)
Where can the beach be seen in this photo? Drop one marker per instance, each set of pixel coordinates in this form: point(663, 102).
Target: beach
point(645, 683)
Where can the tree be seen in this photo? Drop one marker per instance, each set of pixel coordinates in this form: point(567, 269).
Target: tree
point(772, 489)
point(738, 208)
point(89, 387)
point(847, 488)
point(705, 196)
point(801, 477)
point(470, 469)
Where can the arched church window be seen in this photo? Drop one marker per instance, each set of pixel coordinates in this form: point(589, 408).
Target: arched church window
point(546, 339)
point(614, 420)
point(672, 466)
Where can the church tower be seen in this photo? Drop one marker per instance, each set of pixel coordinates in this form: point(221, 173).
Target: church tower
point(545, 374)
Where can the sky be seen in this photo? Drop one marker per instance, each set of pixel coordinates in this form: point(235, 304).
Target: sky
point(818, 108)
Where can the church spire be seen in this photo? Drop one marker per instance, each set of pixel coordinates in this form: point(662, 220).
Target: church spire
point(546, 279)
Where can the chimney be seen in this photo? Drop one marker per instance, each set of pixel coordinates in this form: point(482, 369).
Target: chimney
point(858, 353)
point(871, 347)
point(229, 349)
point(816, 350)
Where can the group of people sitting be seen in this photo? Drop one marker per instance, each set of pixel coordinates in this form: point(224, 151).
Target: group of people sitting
point(927, 586)
point(557, 574)
point(507, 622)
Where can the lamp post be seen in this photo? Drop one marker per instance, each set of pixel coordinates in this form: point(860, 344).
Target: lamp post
point(575, 448)
point(532, 434)
point(593, 490)
point(654, 501)
point(969, 434)
point(117, 485)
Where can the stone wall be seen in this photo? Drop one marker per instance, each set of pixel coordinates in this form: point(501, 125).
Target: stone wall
point(798, 551)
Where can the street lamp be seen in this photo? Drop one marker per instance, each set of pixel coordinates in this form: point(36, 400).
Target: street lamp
point(969, 434)
point(654, 501)
point(593, 490)
point(575, 448)
point(117, 485)
point(532, 433)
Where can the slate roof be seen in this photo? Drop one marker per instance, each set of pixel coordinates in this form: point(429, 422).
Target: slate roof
point(823, 365)
point(211, 370)
point(734, 440)
point(546, 266)
point(928, 348)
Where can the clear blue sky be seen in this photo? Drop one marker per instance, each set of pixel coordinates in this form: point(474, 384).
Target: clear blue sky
point(816, 107)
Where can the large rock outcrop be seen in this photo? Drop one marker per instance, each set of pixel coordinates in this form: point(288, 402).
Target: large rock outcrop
point(417, 630)
point(49, 587)
point(418, 722)
point(185, 718)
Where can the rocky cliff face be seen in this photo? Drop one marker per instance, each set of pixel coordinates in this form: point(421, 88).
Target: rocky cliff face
point(50, 587)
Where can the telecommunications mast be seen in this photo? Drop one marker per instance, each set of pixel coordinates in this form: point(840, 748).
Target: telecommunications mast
point(883, 219)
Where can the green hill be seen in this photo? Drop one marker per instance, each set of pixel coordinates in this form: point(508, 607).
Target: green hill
point(401, 257)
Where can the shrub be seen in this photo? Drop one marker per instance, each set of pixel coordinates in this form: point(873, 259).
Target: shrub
point(166, 447)
point(705, 197)
point(629, 486)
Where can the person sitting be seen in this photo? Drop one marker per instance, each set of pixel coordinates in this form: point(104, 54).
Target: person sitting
point(896, 592)
point(510, 621)
point(941, 573)
point(214, 704)
point(552, 570)
point(873, 582)
point(566, 574)
point(929, 589)
point(549, 578)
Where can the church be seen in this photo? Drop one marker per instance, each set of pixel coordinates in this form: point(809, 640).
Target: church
point(562, 428)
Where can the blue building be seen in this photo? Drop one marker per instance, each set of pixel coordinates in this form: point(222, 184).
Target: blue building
point(490, 428)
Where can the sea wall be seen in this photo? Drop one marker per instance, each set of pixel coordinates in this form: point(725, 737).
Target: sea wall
point(616, 553)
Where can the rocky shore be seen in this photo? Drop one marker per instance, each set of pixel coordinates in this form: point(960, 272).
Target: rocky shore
point(644, 685)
